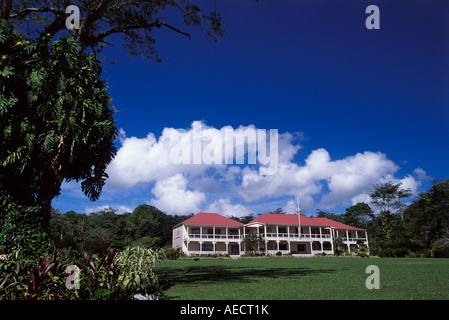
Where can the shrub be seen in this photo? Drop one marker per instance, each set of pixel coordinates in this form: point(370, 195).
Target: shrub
point(20, 232)
point(440, 248)
point(113, 275)
point(138, 270)
point(28, 280)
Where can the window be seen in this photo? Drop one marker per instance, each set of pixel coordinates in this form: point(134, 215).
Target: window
point(195, 230)
point(207, 247)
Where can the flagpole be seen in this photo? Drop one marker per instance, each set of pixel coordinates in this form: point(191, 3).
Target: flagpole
point(299, 219)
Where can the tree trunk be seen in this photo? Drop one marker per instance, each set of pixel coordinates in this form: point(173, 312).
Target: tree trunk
point(52, 189)
point(5, 9)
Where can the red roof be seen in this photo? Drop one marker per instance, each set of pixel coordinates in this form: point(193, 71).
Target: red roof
point(211, 219)
point(292, 219)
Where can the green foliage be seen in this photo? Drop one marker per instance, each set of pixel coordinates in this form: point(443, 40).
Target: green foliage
point(19, 231)
point(339, 246)
point(138, 270)
point(55, 119)
point(133, 20)
point(252, 241)
point(113, 275)
point(147, 227)
point(428, 216)
point(28, 280)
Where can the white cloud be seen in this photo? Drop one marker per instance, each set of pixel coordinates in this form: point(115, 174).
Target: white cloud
point(346, 179)
point(321, 182)
point(120, 209)
point(173, 197)
point(226, 208)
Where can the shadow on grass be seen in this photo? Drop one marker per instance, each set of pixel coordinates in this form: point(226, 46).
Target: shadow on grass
point(197, 275)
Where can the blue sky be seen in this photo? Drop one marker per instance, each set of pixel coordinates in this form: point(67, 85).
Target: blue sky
point(353, 107)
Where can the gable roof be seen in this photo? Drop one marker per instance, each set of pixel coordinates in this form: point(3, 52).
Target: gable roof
point(292, 219)
point(211, 219)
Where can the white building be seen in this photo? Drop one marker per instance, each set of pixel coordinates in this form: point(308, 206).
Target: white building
point(212, 233)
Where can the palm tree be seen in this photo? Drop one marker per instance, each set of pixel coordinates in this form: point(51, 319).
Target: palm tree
point(252, 241)
point(338, 245)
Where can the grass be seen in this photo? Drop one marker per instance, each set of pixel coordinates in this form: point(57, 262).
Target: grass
point(305, 278)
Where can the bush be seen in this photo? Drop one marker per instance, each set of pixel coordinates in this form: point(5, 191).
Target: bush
point(28, 280)
point(440, 248)
point(20, 232)
point(113, 275)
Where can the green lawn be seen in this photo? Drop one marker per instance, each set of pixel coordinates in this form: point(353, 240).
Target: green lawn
point(305, 278)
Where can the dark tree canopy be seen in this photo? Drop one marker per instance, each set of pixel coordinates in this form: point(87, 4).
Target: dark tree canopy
point(134, 20)
point(56, 122)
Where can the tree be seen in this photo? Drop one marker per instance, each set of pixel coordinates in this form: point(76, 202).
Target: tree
point(134, 20)
point(358, 215)
point(252, 241)
point(428, 217)
point(278, 211)
point(56, 122)
point(388, 197)
point(245, 219)
point(338, 245)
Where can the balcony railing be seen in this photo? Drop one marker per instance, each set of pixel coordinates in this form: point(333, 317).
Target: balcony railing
point(297, 236)
point(214, 236)
point(273, 236)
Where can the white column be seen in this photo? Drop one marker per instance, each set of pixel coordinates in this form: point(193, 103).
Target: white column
point(366, 236)
point(347, 240)
point(331, 231)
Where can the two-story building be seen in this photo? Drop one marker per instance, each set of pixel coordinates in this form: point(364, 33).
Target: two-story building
point(296, 234)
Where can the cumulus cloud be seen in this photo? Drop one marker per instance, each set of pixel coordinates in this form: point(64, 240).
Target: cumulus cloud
point(225, 207)
point(173, 196)
point(184, 170)
point(347, 180)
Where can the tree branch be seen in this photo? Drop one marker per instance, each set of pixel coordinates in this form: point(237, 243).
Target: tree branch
point(22, 14)
point(122, 29)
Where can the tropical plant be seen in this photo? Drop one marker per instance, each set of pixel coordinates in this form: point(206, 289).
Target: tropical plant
point(19, 232)
point(138, 270)
point(339, 245)
point(28, 280)
point(252, 241)
point(56, 122)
